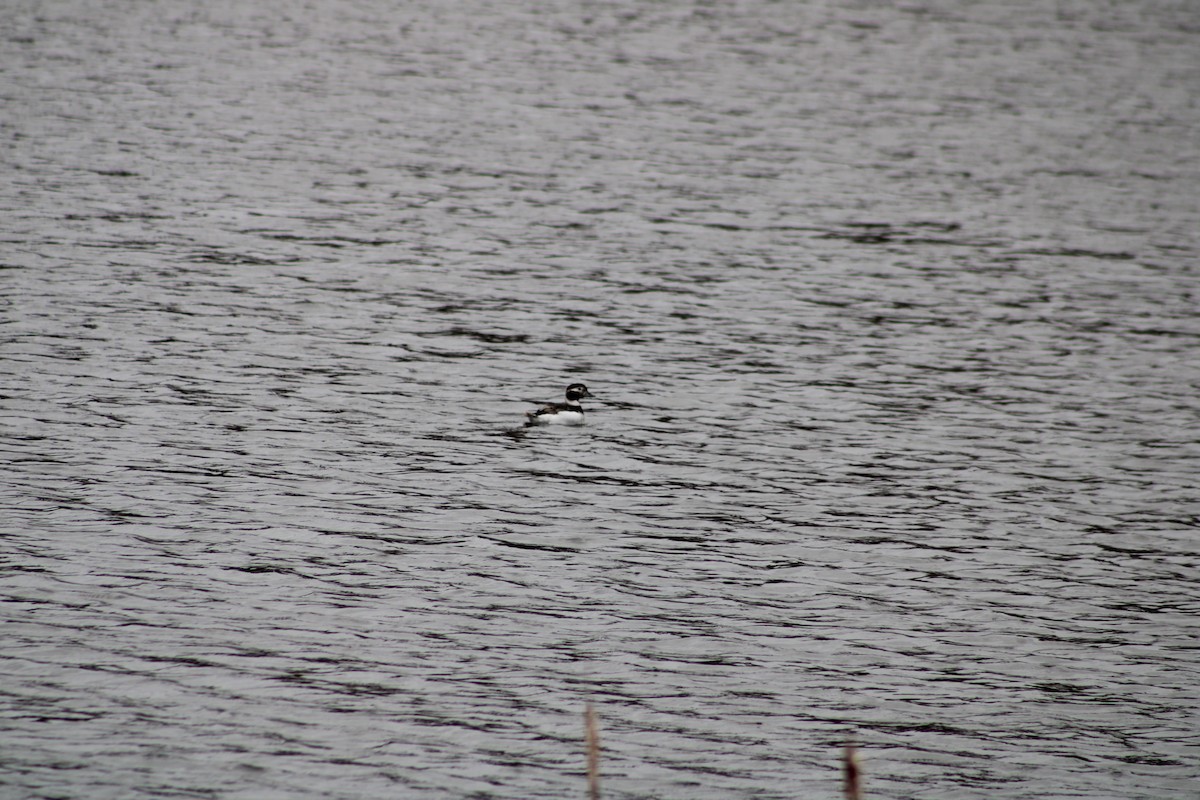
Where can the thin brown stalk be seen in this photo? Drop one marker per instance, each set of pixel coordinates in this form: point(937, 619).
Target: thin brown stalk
point(851, 773)
point(593, 752)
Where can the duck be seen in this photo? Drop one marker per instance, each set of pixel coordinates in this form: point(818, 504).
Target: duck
point(568, 413)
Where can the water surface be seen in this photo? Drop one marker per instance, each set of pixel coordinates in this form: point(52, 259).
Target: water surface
point(891, 317)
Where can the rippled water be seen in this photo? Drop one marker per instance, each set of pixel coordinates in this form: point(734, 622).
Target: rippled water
point(890, 311)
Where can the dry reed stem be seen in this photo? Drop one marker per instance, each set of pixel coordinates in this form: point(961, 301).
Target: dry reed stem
point(851, 773)
point(593, 752)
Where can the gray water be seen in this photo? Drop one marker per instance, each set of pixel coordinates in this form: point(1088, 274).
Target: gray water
point(889, 311)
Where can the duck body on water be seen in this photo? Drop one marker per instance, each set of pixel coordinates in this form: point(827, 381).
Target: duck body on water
point(568, 413)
